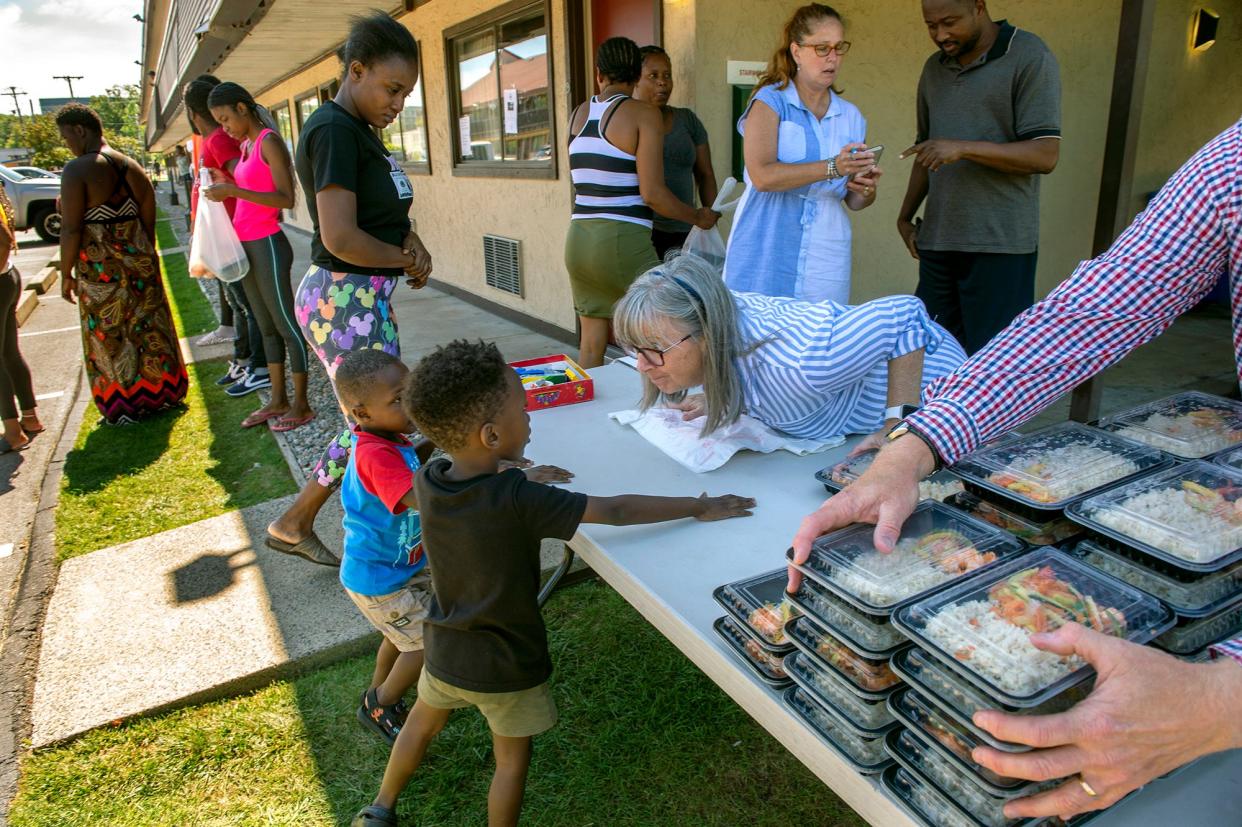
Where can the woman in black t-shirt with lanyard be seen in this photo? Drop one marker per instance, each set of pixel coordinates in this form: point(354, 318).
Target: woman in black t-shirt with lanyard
point(359, 202)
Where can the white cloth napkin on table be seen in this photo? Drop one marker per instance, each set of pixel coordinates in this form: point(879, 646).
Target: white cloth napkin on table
point(665, 429)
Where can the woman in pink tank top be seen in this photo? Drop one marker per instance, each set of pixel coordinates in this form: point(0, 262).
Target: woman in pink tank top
point(263, 186)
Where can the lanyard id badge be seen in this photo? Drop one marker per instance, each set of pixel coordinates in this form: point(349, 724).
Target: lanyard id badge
point(399, 180)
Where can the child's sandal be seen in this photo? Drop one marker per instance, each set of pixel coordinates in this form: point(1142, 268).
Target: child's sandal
point(374, 816)
point(382, 720)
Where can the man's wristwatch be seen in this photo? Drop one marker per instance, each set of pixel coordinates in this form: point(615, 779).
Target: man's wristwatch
point(902, 428)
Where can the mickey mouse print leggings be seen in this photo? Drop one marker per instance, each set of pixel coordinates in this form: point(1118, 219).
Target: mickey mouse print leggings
point(338, 314)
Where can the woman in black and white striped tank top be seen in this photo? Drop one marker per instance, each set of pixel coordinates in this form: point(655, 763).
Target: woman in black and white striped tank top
point(616, 159)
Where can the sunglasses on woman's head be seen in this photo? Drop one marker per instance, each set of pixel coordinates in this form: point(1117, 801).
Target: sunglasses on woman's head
point(655, 356)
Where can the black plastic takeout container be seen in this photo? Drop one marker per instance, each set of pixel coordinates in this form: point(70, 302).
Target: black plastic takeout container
point(1038, 475)
point(751, 652)
point(1187, 425)
point(868, 718)
point(873, 636)
point(938, 544)
point(1189, 516)
point(1189, 594)
point(963, 625)
point(953, 742)
point(865, 755)
point(871, 678)
point(757, 603)
point(976, 806)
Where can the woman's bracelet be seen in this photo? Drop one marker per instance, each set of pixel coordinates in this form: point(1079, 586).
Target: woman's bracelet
point(832, 170)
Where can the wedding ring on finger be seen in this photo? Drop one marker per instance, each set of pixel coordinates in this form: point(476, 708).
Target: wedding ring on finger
point(1087, 788)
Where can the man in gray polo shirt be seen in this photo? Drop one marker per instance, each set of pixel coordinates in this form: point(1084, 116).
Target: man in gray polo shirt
point(989, 123)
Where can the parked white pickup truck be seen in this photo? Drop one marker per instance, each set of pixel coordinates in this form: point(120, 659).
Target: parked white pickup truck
point(34, 202)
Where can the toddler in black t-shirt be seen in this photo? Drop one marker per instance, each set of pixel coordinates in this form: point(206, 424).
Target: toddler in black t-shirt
point(486, 645)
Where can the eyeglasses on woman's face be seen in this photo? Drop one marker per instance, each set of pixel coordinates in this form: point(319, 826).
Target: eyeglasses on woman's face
point(825, 49)
point(654, 356)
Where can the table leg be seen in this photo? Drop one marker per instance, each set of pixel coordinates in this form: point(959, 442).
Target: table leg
point(566, 561)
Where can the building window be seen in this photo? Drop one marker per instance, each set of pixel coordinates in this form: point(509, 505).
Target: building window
point(406, 137)
point(500, 76)
point(284, 124)
point(306, 107)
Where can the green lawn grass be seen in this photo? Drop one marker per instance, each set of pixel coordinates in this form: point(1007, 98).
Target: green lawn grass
point(643, 739)
point(173, 468)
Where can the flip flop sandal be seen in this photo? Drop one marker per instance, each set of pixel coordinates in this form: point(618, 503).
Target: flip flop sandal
point(286, 423)
point(311, 548)
point(382, 720)
point(374, 816)
point(7, 448)
point(258, 418)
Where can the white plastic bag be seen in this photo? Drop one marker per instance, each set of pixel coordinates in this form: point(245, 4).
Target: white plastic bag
point(709, 245)
point(214, 247)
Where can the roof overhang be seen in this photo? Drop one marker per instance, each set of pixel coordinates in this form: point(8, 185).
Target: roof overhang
point(288, 37)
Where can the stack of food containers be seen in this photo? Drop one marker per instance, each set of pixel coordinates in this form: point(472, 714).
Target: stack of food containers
point(1177, 534)
point(939, 486)
point(754, 627)
point(845, 639)
point(973, 652)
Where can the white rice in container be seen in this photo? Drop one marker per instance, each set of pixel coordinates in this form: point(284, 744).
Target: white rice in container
point(941, 490)
point(885, 579)
point(1064, 472)
point(998, 650)
point(845, 619)
point(867, 714)
point(1184, 434)
point(1169, 522)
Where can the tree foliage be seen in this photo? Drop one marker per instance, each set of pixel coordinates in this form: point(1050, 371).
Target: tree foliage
point(118, 110)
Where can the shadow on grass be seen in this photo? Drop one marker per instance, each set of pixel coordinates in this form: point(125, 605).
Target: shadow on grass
point(113, 451)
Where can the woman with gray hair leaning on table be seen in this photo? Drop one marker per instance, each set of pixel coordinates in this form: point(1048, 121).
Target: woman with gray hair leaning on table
point(812, 370)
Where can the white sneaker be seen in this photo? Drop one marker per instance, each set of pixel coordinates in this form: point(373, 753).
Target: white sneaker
point(220, 336)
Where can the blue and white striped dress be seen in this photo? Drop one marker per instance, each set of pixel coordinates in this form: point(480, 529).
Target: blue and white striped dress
point(605, 177)
point(823, 368)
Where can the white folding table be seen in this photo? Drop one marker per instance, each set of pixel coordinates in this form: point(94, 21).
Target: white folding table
point(668, 571)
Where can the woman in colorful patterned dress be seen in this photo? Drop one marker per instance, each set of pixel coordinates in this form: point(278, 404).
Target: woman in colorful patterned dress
point(108, 262)
point(359, 202)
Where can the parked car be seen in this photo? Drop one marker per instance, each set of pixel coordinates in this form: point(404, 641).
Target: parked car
point(34, 172)
point(34, 202)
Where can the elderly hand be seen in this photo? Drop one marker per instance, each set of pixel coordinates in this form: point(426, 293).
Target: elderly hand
point(884, 495)
point(1148, 714)
point(936, 153)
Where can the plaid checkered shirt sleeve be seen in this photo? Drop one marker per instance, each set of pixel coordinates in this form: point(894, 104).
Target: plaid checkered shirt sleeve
point(1162, 265)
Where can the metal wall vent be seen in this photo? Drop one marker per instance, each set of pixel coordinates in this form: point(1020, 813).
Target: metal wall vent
point(502, 263)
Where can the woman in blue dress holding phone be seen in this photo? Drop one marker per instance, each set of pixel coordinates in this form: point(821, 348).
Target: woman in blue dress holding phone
point(806, 162)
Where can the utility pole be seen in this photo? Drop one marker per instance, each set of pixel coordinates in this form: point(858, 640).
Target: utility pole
point(14, 92)
point(69, 79)
point(30, 101)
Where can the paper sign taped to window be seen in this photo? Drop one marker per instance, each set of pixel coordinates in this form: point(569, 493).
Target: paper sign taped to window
point(463, 128)
point(511, 102)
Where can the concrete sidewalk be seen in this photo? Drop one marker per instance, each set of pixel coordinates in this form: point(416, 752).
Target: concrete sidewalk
point(207, 610)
